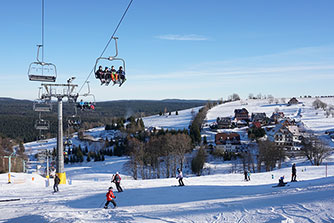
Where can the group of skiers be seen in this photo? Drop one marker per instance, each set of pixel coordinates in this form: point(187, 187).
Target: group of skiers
point(85, 105)
point(281, 182)
point(116, 179)
point(107, 75)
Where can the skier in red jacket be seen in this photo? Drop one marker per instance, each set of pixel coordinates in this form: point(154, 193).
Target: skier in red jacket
point(110, 195)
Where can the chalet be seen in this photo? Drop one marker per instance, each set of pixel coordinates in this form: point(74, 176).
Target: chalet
point(224, 123)
point(276, 116)
point(281, 136)
point(259, 117)
point(293, 101)
point(241, 114)
point(229, 141)
point(286, 136)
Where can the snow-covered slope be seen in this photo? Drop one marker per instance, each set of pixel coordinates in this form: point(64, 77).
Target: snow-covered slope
point(180, 121)
point(212, 198)
point(219, 197)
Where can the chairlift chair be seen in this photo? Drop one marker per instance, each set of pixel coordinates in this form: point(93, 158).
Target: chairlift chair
point(92, 101)
point(42, 71)
point(41, 138)
point(74, 121)
point(41, 124)
point(108, 60)
point(42, 106)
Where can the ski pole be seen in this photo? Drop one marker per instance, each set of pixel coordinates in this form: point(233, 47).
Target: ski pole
point(101, 204)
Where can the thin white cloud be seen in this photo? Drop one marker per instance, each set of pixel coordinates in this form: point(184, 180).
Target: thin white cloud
point(189, 37)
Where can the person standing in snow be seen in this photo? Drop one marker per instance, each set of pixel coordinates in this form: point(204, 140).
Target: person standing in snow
point(180, 177)
point(110, 195)
point(294, 173)
point(117, 180)
point(56, 183)
point(246, 175)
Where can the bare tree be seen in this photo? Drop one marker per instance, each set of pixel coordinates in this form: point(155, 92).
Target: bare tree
point(270, 99)
point(235, 97)
point(182, 146)
point(315, 150)
point(269, 154)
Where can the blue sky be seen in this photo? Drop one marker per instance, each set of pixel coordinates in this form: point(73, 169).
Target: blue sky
point(187, 49)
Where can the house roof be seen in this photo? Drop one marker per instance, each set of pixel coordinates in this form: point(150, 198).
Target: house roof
point(225, 136)
point(241, 111)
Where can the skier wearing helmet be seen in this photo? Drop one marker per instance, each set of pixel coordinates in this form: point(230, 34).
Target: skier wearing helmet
point(117, 180)
point(110, 195)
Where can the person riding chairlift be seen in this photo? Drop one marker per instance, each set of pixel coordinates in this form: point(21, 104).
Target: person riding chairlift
point(99, 73)
point(121, 74)
point(106, 73)
point(113, 74)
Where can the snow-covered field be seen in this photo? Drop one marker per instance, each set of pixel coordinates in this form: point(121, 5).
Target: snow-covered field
point(180, 121)
point(219, 197)
point(211, 198)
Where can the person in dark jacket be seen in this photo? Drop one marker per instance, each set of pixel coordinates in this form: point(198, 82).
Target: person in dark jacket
point(110, 195)
point(246, 175)
point(117, 180)
point(121, 74)
point(56, 183)
point(99, 73)
point(281, 182)
point(294, 173)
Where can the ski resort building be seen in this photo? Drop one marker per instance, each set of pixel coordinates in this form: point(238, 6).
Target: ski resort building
point(241, 114)
point(224, 123)
point(228, 141)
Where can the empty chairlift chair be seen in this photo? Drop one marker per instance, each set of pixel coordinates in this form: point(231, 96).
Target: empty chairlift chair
point(42, 106)
point(42, 124)
point(42, 71)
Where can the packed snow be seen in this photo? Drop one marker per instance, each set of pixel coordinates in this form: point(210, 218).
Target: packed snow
point(210, 198)
point(221, 196)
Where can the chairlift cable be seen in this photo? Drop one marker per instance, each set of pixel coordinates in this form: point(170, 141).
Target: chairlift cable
point(112, 36)
point(42, 30)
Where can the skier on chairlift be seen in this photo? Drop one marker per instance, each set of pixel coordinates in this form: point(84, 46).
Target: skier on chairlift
point(99, 73)
point(121, 75)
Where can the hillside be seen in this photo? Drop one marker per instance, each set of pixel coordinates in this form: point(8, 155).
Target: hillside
point(17, 117)
point(312, 119)
point(220, 195)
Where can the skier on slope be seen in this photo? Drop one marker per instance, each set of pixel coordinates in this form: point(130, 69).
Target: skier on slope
point(281, 182)
point(117, 180)
point(294, 173)
point(110, 195)
point(180, 177)
point(56, 183)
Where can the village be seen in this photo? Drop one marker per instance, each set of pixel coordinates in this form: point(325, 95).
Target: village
point(239, 132)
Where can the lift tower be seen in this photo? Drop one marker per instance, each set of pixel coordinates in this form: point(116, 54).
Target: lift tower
point(60, 91)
